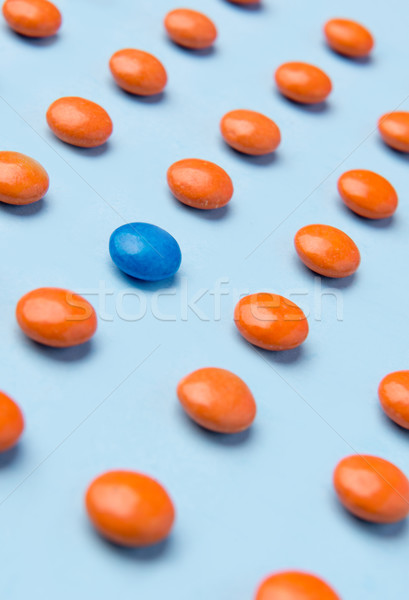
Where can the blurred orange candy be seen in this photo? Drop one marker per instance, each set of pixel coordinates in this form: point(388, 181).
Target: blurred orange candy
point(22, 179)
point(11, 422)
point(348, 37)
point(32, 18)
point(138, 72)
point(250, 132)
point(394, 130)
point(190, 28)
point(295, 585)
point(303, 83)
point(393, 394)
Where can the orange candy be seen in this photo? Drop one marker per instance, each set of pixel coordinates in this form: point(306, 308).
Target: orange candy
point(56, 317)
point(22, 179)
point(129, 508)
point(372, 488)
point(250, 132)
point(217, 400)
point(394, 129)
point(33, 18)
point(295, 585)
point(393, 394)
point(270, 321)
point(11, 422)
point(368, 194)
point(200, 183)
point(190, 28)
point(138, 72)
point(327, 250)
point(303, 83)
point(348, 37)
point(79, 122)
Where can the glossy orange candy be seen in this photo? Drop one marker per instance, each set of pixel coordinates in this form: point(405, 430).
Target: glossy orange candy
point(295, 585)
point(348, 37)
point(56, 317)
point(11, 422)
point(368, 194)
point(327, 250)
point(393, 394)
point(138, 72)
point(394, 129)
point(217, 399)
point(270, 321)
point(22, 179)
point(190, 28)
point(200, 183)
point(79, 122)
point(32, 18)
point(303, 83)
point(250, 132)
point(129, 508)
point(372, 488)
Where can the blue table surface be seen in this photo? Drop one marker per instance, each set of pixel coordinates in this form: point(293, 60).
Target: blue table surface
point(251, 504)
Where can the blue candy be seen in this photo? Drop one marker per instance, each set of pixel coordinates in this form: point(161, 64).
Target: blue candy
point(145, 251)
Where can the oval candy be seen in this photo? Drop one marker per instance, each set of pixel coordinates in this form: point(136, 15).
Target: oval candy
point(348, 37)
point(200, 183)
point(372, 488)
point(394, 130)
point(295, 585)
point(393, 394)
point(271, 321)
point(79, 122)
point(32, 18)
point(22, 179)
point(11, 422)
point(56, 317)
point(138, 72)
point(145, 251)
point(129, 509)
point(303, 83)
point(217, 399)
point(190, 28)
point(368, 194)
point(250, 132)
point(327, 250)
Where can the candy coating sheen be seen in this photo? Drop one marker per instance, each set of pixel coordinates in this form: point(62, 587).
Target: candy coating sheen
point(327, 250)
point(145, 251)
point(190, 28)
point(22, 179)
point(79, 122)
point(368, 194)
point(129, 509)
point(295, 585)
point(394, 130)
point(32, 18)
point(56, 317)
point(217, 399)
point(348, 37)
point(270, 321)
point(200, 183)
point(393, 394)
point(250, 132)
point(11, 422)
point(372, 488)
point(303, 83)
point(138, 72)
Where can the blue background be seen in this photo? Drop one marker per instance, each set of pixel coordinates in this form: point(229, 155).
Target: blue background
point(251, 504)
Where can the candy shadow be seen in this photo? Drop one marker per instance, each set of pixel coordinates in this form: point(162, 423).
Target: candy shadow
point(147, 286)
point(400, 155)
point(11, 456)
point(154, 99)
point(374, 223)
point(223, 439)
point(358, 61)
point(391, 425)
point(283, 357)
point(204, 52)
point(149, 553)
point(249, 8)
point(36, 42)
point(387, 530)
point(313, 109)
point(214, 214)
point(264, 160)
point(72, 354)
point(340, 283)
point(26, 210)
point(87, 152)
